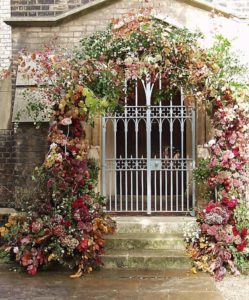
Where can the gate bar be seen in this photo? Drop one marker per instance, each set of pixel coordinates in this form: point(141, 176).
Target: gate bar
point(193, 157)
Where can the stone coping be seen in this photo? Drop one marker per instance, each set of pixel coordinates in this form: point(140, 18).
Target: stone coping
point(53, 21)
point(7, 211)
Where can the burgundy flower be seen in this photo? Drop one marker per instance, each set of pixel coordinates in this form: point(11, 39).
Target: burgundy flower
point(82, 182)
point(66, 223)
point(47, 231)
point(83, 245)
point(242, 246)
point(235, 231)
point(59, 230)
point(232, 203)
point(50, 183)
point(32, 270)
point(244, 232)
point(225, 200)
point(210, 206)
point(79, 203)
point(236, 151)
point(80, 225)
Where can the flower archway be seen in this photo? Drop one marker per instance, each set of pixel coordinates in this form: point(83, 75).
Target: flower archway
point(67, 222)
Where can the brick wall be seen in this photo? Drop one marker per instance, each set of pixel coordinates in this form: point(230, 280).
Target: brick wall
point(5, 35)
point(20, 153)
point(7, 161)
point(33, 8)
point(30, 147)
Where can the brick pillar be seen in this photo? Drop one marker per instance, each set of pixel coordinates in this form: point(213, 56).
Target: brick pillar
point(30, 148)
point(7, 161)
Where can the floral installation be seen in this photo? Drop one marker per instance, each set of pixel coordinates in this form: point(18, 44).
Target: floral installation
point(222, 241)
point(90, 80)
point(65, 221)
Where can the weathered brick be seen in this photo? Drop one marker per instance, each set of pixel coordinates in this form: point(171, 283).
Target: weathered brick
point(39, 7)
point(19, 14)
point(45, 13)
point(32, 13)
point(32, 7)
point(6, 169)
point(45, 1)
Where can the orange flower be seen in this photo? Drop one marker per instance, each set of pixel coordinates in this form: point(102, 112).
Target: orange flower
point(3, 231)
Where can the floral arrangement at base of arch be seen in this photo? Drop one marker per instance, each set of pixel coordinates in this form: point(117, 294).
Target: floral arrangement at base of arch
point(64, 221)
point(220, 241)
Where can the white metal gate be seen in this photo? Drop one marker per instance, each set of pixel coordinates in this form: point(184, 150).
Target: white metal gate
point(148, 152)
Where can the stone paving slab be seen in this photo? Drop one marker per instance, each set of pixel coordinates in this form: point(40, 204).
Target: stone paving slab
point(109, 284)
point(234, 288)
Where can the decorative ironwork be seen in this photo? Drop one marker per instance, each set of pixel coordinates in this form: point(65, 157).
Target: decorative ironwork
point(148, 154)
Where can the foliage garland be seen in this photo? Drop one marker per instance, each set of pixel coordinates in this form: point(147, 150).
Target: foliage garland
point(90, 81)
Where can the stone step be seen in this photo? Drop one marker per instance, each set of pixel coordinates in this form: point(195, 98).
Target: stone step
point(146, 259)
point(159, 225)
point(149, 241)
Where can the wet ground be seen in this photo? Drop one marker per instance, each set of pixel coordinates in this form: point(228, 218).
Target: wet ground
point(234, 288)
point(109, 284)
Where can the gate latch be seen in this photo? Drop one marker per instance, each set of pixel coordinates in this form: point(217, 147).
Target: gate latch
point(155, 164)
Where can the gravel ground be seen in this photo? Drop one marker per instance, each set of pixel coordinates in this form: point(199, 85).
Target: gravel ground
point(234, 288)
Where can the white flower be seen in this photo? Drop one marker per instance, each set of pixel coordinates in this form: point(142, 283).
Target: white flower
point(16, 250)
point(128, 61)
point(66, 121)
point(158, 57)
point(149, 59)
point(58, 157)
point(53, 146)
point(211, 143)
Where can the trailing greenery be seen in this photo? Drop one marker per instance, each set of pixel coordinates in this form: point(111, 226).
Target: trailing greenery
point(202, 173)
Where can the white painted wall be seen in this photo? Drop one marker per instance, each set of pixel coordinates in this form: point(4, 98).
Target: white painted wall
point(5, 35)
point(238, 7)
point(236, 30)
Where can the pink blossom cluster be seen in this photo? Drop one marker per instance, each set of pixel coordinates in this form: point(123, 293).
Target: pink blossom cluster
point(222, 237)
point(229, 148)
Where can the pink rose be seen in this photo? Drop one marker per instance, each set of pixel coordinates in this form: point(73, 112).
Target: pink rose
point(237, 183)
point(231, 204)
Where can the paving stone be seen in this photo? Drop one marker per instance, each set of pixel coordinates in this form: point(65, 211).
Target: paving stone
point(108, 285)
